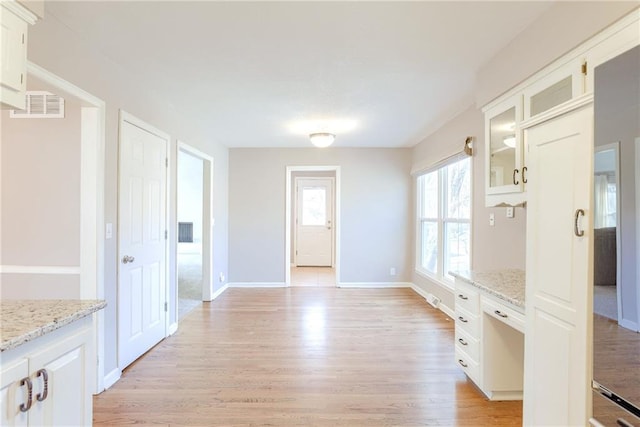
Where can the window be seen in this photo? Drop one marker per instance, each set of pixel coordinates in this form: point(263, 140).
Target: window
point(444, 220)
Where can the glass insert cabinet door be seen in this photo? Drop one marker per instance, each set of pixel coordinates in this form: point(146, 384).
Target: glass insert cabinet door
point(503, 151)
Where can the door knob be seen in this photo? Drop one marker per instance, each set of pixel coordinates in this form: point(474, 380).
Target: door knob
point(127, 259)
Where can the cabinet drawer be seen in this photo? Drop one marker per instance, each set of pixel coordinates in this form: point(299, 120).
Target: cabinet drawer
point(468, 344)
point(468, 365)
point(468, 299)
point(467, 322)
point(503, 313)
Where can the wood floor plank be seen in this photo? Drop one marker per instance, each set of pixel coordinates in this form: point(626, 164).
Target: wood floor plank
point(308, 356)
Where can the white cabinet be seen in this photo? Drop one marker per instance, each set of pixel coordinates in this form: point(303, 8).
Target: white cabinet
point(557, 370)
point(14, 22)
point(505, 169)
point(467, 351)
point(57, 368)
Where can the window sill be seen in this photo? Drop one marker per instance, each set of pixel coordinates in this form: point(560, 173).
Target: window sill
point(449, 285)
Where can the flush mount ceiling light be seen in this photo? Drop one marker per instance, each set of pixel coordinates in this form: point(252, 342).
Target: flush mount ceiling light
point(510, 141)
point(322, 139)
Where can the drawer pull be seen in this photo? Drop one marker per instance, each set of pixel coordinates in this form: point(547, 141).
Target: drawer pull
point(27, 381)
point(501, 314)
point(40, 397)
point(464, 297)
point(462, 319)
point(461, 362)
point(463, 342)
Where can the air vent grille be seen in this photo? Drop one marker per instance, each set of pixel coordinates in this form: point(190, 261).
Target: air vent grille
point(40, 105)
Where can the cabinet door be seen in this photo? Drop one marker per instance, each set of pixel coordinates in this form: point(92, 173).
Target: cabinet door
point(503, 150)
point(13, 394)
point(68, 400)
point(13, 68)
point(557, 389)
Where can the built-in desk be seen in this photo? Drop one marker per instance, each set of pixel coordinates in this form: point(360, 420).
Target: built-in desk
point(489, 326)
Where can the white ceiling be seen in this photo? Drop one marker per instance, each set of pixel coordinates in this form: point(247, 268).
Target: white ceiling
point(250, 71)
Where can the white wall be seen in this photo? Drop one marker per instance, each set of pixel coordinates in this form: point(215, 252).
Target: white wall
point(374, 222)
point(501, 246)
point(40, 202)
point(64, 53)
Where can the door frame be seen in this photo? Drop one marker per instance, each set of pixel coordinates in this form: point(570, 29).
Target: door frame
point(289, 213)
point(124, 116)
point(92, 190)
point(207, 222)
point(295, 206)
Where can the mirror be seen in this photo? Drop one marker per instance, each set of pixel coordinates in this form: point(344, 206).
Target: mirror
point(503, 148)
point(616, 233)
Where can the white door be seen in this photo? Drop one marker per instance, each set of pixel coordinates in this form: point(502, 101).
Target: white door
point(314, 222)
point(142, 240)
point(559, 278)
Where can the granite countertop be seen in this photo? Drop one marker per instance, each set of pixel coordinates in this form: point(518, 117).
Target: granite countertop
point(23, 320)
point(504, 284)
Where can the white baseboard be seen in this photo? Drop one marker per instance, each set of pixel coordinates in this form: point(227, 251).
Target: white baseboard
point(111, 378)
point(376, 285)
point(629, 325)
point(173, 328)
point(219, 292)
point(442, 307)
point(257, 285)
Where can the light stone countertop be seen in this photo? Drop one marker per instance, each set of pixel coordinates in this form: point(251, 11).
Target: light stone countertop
point(23, 320)
point(508, 285)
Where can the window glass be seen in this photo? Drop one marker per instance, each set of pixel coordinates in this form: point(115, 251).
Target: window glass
point(457, 239)
point(458, 190)
point(314, 206)
point(430, 195)
point(429, 259)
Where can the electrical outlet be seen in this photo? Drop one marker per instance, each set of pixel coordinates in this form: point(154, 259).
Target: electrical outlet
point(392, 271)
point(509, 211)
point(108, 234)
point(221, 277)
point(492, 219)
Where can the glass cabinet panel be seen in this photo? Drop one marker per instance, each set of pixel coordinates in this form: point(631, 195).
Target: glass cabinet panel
point(554, 95)
point(503, 154)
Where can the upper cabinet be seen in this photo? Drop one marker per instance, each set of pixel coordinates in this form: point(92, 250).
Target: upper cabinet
point(505, 170)
point(14, 23)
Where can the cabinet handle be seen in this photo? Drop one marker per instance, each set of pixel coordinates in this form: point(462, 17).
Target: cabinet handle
point(501, 314)
point(463, 297)
point(464, 365)
point(27, 381)
point(40, 397)
point(462, 319)
point(524, 177)
point(576, 230)
point(515, 182)
point(463, 342)
point(623, 423)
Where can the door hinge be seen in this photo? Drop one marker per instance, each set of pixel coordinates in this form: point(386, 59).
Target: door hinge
point(166, 306)
point(296, 252)
point(166, 162)
point(166, 234)
point(584, 68)
point(22, 38)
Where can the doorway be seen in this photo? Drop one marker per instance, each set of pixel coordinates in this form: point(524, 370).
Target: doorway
point(194, 261)
point(312, 225)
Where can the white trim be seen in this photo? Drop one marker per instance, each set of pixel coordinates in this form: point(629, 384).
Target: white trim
point(336, 218)
point(173, 328)
point(557, 111)
point(92, 169)
point(39, 269)
point(256, 285)
point(207, 219)
point(219, 292)
point(628, 324)
point(426, 167)
point(441, 306)
point(20, 11)
point(111, 378)
point(375, 285)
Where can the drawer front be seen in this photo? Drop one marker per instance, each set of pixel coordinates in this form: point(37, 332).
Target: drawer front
point(504, 314)
point(468, 322)
point(468, 299)
point(468, 365)
point(468, 344)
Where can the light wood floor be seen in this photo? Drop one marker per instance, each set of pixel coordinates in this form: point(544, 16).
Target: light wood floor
point(313, 276)
point(307, 356)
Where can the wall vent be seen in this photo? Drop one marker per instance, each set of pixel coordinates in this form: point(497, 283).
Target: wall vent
point(40, 105)
point(185, 232)
point(433, 300)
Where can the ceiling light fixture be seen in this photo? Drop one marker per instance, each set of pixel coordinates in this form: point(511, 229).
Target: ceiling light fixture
point(322, 139)
point(510, 141)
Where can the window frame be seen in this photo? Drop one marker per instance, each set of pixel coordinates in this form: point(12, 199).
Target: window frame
point(440, 276)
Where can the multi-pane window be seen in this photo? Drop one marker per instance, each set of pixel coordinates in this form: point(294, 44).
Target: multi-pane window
point(444, 220)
